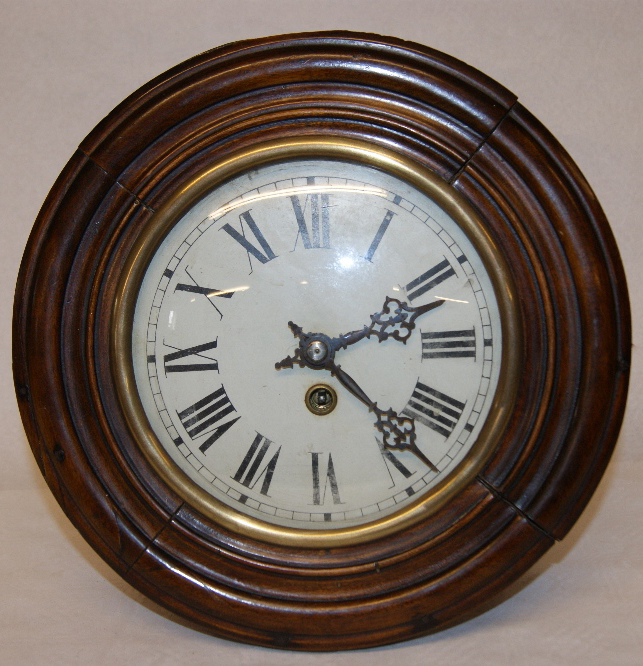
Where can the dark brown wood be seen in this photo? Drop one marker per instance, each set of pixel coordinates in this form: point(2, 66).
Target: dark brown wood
point(574, 318)
point(581, 289)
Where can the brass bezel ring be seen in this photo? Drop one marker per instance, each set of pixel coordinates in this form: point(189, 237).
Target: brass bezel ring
point(445, 196)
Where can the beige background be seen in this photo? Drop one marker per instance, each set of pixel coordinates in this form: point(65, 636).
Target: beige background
point(66, 63)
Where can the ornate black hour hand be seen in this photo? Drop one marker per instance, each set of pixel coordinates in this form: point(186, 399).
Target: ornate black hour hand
point(398, 432)
point(395, 320)
point(400, 318)
point(316, 351)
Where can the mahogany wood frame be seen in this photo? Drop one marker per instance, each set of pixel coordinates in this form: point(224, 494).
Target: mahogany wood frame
point(573, 307)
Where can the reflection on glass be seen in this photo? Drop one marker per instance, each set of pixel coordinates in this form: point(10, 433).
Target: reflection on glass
point(452, 300)
point(296, 191)
point(346, 262)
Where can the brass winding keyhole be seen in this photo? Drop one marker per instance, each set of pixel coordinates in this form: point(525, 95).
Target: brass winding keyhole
point(321, 399)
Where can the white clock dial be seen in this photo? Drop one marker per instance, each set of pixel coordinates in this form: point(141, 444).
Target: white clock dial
point(322, 244)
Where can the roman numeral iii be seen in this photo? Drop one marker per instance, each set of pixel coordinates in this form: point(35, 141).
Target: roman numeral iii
point(449, 344)
point(205, 414)
point(434, 409)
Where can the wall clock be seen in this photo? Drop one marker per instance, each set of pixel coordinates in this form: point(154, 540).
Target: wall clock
point(321, 340)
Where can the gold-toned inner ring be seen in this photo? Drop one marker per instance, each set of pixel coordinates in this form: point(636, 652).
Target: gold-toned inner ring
point(447, 198)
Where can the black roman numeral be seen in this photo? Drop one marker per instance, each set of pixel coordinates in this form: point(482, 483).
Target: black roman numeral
point(319, 236)
point(246, 244)
point(378, 236)
point(435, 410)
point(392, 462)
point(330, 479)
point(170, 365)
point(449, 344)
point(208, 292)
point(206, 413)
point(249, 474)
point(430, 279)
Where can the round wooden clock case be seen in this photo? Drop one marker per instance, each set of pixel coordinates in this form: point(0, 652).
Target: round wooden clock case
point(455, 136)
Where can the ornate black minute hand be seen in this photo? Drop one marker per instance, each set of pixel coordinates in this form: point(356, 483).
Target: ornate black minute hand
point(314, 351)
point(398, 432)
point(396, 320)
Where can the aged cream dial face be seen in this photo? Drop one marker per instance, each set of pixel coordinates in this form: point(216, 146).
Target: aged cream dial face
point(245, 308)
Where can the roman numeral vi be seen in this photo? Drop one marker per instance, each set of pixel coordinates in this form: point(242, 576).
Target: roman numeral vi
point(330, 479)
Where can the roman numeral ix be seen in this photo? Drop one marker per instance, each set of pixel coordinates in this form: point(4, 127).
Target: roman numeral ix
point(434, 409)
point(170, 360)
